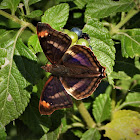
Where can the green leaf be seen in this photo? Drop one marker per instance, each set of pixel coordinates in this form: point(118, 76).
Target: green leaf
point(33, 2)
point(56, 16)
point(102, 108)
point(130, 43)
point(34, 14)
point(77, 132)
point(137, 62)
point(77, 15)
point(38, 123)
point(3, 54)
point(27, 3)
point(132, 99)
point(101, 43)
point(91, 134)
point(120, 75)
point(80, 3)
point(51, 135)
point(124, 125)
point(2, 132)
point(33, 43)
point(123, 84)
point(57, 124)
point(56, 118)
point(126, 65)
point(44, 137)
point(10, 4)
point(63, 1)
point(18, 130)
point(16, 77)
point(4, 33)
point(104, 8)
point(8, 23)
point(136, 78)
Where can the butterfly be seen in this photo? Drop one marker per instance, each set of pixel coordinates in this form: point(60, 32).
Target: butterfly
point(74, 70)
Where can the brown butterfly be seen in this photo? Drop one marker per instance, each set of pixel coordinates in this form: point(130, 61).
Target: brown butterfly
point(75, 70)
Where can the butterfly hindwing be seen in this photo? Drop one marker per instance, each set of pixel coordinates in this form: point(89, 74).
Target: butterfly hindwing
point(53, 43)
point(83, 86)
point(80, 88)
point(53, 97)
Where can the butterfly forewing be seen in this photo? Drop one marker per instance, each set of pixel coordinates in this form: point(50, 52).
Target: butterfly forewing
point(80, 55)
point(53, 97)
point(53, 43)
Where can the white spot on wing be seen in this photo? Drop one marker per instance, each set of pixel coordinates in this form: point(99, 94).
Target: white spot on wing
point(46, 34)
point(56, 45)
point(97, 69)
point(51, 42)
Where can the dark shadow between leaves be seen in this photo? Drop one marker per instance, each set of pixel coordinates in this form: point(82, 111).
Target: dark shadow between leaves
point(29, 69)
point(56, 119)
point(125, 64)
point(32, 72)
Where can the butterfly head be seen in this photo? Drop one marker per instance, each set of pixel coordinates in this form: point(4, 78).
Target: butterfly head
point(47, 67)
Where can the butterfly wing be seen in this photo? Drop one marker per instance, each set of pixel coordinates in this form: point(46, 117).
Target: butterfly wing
point(82, 56)
point(53, 97)
point(82, 87)
point(53, 43)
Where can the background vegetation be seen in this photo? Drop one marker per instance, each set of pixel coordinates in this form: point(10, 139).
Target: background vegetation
point(112, 112)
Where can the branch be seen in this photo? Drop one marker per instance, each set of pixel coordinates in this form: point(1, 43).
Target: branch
point(115, 29)
point(85, 114)
point(127, 104)
point(17, 20)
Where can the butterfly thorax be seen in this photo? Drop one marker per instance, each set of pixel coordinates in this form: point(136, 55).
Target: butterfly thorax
point(73, 71)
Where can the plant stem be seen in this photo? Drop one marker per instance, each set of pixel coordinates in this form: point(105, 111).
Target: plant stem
point(75, 125)
point(113, 102)
point(127, 104)
point(122, 15)
point(130, 14)
point(21, 8)
point(85, 114)
point(17, 20)
point(27, 7)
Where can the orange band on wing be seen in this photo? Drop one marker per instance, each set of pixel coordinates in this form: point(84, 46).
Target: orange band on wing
point(45, 104)
point(43, 33)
